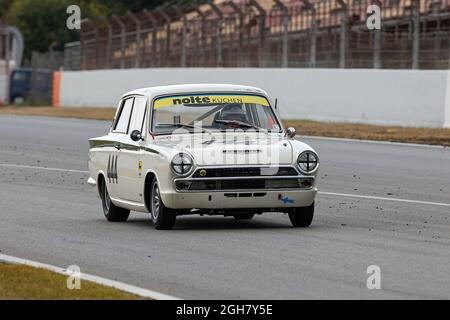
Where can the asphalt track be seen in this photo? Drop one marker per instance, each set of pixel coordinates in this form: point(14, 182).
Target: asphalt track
point(52, 216)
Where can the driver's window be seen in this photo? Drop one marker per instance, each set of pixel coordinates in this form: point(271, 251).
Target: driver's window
point(124, 116)
point(137, 117)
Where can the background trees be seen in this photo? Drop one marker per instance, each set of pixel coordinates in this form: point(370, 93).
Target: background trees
point(43, 22)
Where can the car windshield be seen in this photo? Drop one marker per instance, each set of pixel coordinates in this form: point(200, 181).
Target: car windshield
point(213, 112)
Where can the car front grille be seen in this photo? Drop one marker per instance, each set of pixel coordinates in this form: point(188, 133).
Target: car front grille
point(244, 178)
point(243, 184)
point(244, 172)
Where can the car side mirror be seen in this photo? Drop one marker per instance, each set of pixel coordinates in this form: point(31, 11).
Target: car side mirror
point(290, 132)
point(136, 135)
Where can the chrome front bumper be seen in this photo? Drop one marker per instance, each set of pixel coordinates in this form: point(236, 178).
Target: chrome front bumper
point(239, 199)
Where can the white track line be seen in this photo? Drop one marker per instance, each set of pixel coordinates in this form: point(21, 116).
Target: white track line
point(391, 143)
point(383, 198)
point(320, 192)
point(7, 165)
point(87, 277)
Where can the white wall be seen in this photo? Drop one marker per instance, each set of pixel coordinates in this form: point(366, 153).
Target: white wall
point(447, 104)
point(401, 97)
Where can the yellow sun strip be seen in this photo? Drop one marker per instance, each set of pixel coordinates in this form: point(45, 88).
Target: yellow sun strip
point(208, 100)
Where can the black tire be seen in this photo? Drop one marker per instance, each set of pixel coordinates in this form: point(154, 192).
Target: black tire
point(302, 216)
point(245, 216)
point(112, 212)
point(163, 218)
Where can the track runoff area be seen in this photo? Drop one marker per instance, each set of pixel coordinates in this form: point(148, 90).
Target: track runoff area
point(380, 204)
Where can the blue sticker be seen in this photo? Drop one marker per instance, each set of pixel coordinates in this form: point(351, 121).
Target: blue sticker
point(285, 199)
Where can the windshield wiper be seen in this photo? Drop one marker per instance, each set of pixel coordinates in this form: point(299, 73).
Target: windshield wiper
point(181, 125)
point(239, 123)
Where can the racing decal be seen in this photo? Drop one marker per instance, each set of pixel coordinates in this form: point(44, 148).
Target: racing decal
point(124, 146)
point(140, 168)
point(285, 199)
point(111, 171)
point(206, 99)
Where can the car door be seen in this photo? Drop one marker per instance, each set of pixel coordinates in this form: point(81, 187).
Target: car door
point(118, 134)
point(129, 160)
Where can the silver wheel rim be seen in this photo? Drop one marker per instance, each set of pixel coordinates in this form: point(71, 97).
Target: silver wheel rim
point(156, 202)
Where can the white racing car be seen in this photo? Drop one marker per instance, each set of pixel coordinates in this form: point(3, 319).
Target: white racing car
point(202, 149)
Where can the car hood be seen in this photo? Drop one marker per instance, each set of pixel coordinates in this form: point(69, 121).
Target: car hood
point(210, 150)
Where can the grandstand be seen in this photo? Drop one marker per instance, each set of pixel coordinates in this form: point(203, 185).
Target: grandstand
point(269, 33)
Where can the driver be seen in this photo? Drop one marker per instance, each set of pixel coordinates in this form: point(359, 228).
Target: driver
point(232, 112)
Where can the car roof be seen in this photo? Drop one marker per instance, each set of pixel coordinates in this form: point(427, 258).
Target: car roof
point(192, 88)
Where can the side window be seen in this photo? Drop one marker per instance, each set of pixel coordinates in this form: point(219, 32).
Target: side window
point(124, 116)
point(266, 119)
point(137, 118)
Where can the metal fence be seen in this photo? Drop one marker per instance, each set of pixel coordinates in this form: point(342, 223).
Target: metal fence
point(269, 33)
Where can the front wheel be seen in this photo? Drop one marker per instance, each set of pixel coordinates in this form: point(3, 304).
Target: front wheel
point(302, 216)
point(112, 212)
point(163, 218)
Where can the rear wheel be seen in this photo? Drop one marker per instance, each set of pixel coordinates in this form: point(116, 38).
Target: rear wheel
point(245, 216)
point(302, 216)
point(162, 217)
point(112, 212)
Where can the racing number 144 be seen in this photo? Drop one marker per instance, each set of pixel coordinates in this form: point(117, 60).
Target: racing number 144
point(111, 171)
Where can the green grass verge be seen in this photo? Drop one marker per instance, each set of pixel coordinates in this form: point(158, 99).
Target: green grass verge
point(18, 282)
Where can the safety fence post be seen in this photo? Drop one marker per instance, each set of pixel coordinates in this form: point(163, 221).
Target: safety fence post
point(218, 12)
point(262, 33)
point(108, 41)
point(312, 33)
point(343, 34)
point(155, 59)
point(137, 57)
point(122, 40)
point(285, 41)
point(240, 15)
point(166, 17)
point(416, 34)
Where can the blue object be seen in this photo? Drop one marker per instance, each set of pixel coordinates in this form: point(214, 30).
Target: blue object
point(21, 85)
point(286, 200)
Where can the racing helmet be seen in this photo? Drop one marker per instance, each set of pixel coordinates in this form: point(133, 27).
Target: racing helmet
point(232, 112)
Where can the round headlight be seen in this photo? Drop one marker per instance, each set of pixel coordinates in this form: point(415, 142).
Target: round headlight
point(308, 161)
point(182, 164)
